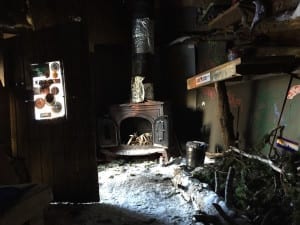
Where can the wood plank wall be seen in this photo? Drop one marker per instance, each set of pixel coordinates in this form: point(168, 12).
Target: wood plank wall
point(111, 65)
point(61, 152)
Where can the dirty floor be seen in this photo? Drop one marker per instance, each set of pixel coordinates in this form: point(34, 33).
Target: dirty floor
point(132, 191)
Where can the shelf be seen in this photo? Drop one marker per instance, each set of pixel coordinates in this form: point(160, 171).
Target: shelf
point(279, 30)
point(238, 67)
point(243, 13)
point(221, 72)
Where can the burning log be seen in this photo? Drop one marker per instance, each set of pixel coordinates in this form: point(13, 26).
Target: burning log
point(143, 139)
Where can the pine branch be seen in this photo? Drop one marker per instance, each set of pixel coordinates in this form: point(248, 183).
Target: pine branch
point(263, 160)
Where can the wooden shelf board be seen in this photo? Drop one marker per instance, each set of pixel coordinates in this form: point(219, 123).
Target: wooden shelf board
point(267, 65)
point(218, 73)
point(238, 67)
point(269, 26)
point(229, 17)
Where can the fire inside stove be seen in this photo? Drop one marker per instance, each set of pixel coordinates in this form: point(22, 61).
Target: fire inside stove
point(143, 139)
point(136, 131)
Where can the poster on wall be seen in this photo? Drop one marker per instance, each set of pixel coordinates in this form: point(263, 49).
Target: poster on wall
point(48, 90)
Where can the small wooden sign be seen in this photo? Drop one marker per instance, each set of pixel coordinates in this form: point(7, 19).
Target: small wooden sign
point(202, 79)
point(221, 72)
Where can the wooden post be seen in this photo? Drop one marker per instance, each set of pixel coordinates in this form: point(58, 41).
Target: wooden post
point(217, 76)
point(225, 115)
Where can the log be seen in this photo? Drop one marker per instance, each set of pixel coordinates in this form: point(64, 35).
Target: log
point(204, 199)
point(199, 194)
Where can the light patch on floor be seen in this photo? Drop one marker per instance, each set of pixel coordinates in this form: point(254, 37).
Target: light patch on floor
point(145, 188)
point(132, 192)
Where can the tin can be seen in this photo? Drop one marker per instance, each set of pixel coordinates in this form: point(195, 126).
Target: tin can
point(195, 153)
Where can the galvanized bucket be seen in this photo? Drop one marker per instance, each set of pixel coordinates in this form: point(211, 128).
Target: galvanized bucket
point(195, 153)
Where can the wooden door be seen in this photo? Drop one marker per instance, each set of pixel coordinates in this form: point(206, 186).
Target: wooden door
point(58, 152)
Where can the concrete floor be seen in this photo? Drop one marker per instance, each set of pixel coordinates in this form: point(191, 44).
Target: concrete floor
point(134, 191)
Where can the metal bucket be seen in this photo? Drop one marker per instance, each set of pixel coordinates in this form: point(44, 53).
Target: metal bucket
point(195, 153)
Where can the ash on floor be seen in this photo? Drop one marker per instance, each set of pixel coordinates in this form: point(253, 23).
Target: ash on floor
point(135, 192)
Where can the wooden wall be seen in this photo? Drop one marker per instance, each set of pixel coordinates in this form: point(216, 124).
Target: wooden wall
point(111, 65)
point(108, 23)
point(60, 153)
point(255, 103)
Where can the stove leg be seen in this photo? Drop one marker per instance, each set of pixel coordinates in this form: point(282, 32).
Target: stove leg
point(164, 158)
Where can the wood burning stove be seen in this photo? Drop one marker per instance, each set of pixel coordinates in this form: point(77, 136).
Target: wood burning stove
point(142, 126)
point(148, 119)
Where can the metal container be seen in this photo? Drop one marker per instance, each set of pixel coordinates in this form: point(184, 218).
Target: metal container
point(195, 153)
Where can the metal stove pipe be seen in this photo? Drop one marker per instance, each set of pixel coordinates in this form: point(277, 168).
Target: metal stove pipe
point(142, 48)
